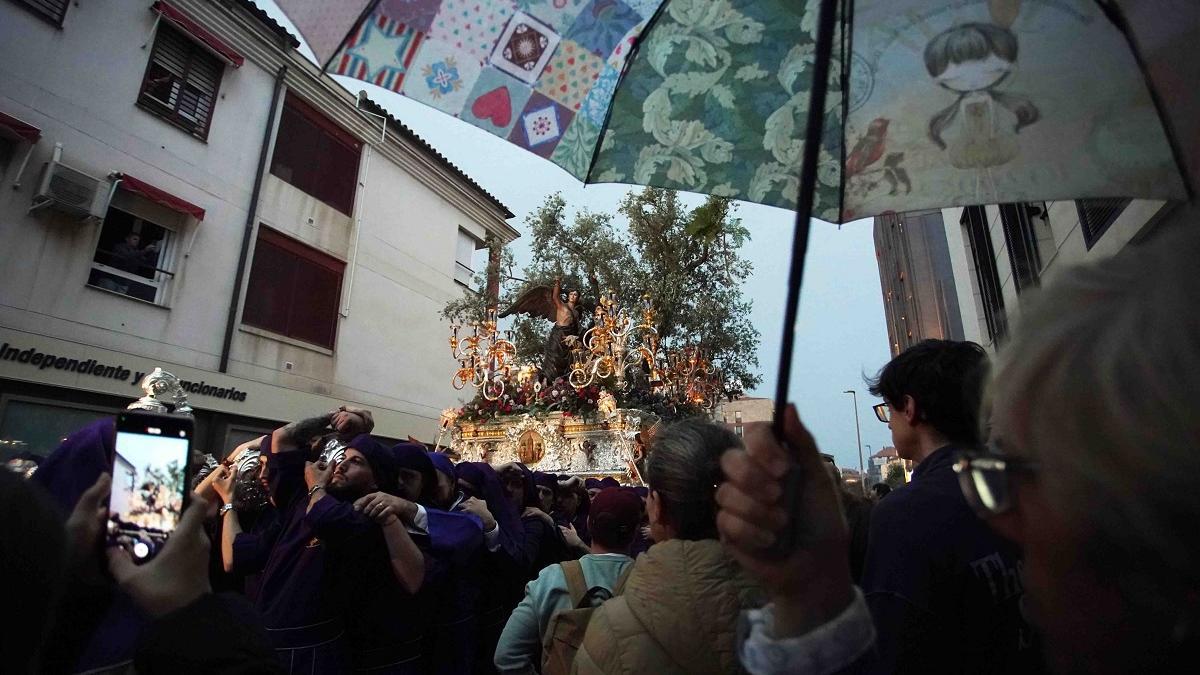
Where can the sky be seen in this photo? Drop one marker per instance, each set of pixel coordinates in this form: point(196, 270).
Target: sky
point(841, 336)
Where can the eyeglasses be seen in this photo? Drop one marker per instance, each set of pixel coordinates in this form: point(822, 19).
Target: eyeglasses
point(882, 412)
point(984, 479)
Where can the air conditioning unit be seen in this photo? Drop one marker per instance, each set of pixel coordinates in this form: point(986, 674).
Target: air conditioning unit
point(72, 191)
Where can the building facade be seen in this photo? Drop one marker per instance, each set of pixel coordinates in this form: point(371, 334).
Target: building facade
point(737, 413)
point(920, 301)
point(183, 189)
point(882, 463)
point(1001, 251)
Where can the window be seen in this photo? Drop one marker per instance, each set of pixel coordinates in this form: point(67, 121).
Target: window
point(316, 156)
point(974, 220)
point(136, 251)
point(1021, 241)
point(464, 259)
point(29, 425)
point(1095, 215)
point(294, 290)
point(53, 11)
point(181, 82)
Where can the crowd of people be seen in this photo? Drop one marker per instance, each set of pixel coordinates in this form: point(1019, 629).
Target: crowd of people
point(1045, 529)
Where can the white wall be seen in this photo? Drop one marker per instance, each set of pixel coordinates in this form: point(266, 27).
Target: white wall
point(80, 84)
point(974, 330)
point(1060, 245)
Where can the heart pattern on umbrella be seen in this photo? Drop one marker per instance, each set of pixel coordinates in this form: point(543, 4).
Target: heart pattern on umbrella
point(494, 106)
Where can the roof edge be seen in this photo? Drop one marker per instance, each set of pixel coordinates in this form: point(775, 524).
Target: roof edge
point(369, 105)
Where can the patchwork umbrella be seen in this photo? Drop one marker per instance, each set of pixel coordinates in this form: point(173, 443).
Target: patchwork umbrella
point(839, 109)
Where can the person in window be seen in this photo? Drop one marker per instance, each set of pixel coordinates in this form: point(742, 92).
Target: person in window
point(128, 255)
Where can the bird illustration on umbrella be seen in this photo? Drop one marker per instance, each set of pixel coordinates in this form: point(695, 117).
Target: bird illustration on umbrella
point(868, 150)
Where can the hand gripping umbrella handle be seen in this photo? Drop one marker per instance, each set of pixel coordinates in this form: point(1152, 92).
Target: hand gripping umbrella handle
point(826, 19)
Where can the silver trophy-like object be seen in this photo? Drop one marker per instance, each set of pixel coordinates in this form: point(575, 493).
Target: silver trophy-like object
point(164, 395)
point(333, 451)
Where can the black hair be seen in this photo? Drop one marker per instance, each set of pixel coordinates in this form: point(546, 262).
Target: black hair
point(969, 42)
point(684, 468)
point(34, 559)
point(945, 378)
point(881, 489)
point(975, 42)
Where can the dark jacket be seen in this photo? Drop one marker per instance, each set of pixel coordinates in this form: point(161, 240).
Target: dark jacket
point(943, 589)
point(215, 634)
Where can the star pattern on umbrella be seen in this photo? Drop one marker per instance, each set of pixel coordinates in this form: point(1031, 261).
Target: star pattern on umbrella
point(381, 50)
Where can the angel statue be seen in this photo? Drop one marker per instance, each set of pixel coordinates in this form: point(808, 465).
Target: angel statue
point(565, 311)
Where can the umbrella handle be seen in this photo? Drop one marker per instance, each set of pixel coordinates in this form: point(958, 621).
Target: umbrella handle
point(826, 19)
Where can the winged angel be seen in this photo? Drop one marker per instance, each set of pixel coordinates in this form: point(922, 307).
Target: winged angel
point(552, 304)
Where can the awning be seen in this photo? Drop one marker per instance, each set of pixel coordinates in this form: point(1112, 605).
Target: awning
point(199, 33)
point(15, 127)
point(158, 196)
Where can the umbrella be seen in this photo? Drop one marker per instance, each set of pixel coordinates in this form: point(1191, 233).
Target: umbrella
point(916, 103)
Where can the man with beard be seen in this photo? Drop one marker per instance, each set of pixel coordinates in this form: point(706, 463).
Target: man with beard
point(327, 556)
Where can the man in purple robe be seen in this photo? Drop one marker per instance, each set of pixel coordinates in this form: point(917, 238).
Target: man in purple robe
point(334, 561)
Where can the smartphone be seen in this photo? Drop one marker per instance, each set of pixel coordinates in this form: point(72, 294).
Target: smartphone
point(149, 481)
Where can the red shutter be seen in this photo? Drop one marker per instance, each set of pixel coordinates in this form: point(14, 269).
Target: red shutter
point(316, 156)
point(294, 290)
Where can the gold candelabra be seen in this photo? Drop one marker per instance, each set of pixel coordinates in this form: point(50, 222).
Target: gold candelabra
point(613, 348)
point(691, 376)
point(606, 350)
point(485, 357)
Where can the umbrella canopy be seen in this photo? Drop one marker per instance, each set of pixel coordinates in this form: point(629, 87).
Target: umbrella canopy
point(915, 103)
point(938, 103)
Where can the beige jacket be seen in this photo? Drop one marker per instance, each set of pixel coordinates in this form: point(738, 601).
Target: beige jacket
point(678, 614)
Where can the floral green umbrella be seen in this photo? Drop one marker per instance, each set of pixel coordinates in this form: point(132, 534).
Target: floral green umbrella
point(917, 103)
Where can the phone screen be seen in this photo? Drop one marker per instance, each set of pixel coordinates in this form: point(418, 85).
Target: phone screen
point(149, 479)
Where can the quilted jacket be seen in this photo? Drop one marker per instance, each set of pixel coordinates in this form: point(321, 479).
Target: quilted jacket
point(678, 614)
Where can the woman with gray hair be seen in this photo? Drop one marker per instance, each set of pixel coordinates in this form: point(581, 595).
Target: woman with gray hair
point(1094, 434)
point(1094, 414)
point(678, 609)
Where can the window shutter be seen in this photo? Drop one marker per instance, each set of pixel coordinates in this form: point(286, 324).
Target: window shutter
point(294, 290)
point(181, 82)
point(1021, 241)
point(974, 219)
point(53, 11)
point(315, 155)
point(1095, 216)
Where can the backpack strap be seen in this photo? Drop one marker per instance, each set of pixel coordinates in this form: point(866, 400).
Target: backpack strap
point(619, 587)
point(576, 584)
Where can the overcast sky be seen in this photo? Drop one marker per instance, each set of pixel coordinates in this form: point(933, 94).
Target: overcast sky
point(841, 334)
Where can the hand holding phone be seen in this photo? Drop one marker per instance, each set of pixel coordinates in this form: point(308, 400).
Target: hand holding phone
point(149, 481)
point(178, 576)
point(778, 488)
